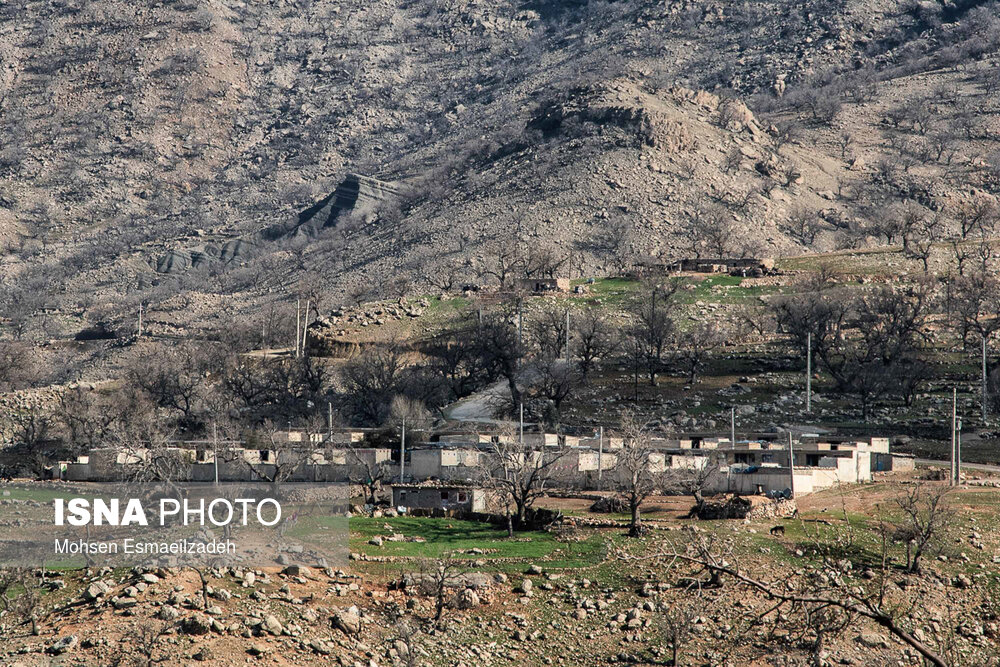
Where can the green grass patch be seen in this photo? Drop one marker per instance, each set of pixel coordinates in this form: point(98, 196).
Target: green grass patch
point(445, 537)
point(40, 495)
point(328, 531)
point(440, 306)
point(611, 291)
point(722, 289)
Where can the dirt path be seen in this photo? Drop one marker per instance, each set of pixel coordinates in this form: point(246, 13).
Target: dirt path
point(480, 407)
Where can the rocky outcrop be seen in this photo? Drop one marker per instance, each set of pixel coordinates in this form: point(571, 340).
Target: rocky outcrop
point(611, 106)
point(175, 262)
point(340, 335)
point(356, 194)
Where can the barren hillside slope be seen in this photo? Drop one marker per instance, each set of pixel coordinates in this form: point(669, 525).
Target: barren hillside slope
point(578, 134)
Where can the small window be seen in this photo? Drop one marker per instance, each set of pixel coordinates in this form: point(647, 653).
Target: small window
point(444, 495)
point(462, 498)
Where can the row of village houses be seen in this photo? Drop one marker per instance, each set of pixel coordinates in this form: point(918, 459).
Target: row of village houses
point(753, 466)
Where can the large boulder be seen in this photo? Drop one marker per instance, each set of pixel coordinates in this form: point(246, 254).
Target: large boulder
point(96, 590)
point(196, 624)
point(347, 621)
point(468, 599)
point(63, 645)
point(272, 625)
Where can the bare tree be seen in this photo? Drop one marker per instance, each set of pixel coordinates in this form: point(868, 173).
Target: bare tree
point(371, 380)
point(813, 590)
point(500, 346)
point(555, 380)
point(711, 230)
point(596, 337)
point(678, 624)
point(693, 480)
point(638, 475)
point(503, 265)
point(845, 140)
point(368, 473)
point(921, 238)
point(460, 364)
point(786, 132)
point(612, 242)
point(977, 217)
point(518, 474)
point(542, 260)
point(30, 426)
point(693, 344)
point(283, 456)
point(443, 277)
point(19, 366)
point(147, 641)
point(175, 379)
point(88, 417)
point(437, 579)
point(653, 323)
point(733, 160)
point(20, 599)
point(963, 252)
point(864, 341)
point(974, 303)
point(803, 224)
point(548, 330)
point(926, 516)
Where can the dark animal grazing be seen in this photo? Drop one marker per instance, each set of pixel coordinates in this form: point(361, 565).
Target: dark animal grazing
point(778, 530)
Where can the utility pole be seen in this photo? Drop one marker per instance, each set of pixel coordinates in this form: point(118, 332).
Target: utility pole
point(567, 334)
point(791, 464)
point(600, 459)
point(732, 425)
point(139, 329)
point(954, 419)
point(298, 323)
point(521, 428)
point(809, 359)
point(984, 379)
point(402, 451)
point(329, 421)
point(520, 322)
point(958, 454)
point(305, 325)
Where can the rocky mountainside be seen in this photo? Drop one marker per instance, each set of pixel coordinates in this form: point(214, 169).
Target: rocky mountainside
point(196, 147)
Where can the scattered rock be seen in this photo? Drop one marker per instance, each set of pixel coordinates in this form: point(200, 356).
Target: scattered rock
point(196, 624)
point(272, 625)
point(468, 599)
point(347, 621)
point(64, 645)
point(96, 590)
